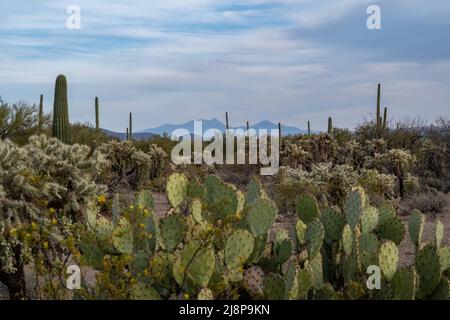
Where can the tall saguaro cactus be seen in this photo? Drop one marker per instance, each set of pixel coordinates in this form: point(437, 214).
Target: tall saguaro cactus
point(227, 125)
point(97, 115)
point(41, 114)
point(309, 128)
point(330, 126)
point(379, 108)
point(385, 119)
point(130, 129)
point(61, 125)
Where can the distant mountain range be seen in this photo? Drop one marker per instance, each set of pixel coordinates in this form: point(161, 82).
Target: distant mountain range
point(216, 124)
point(206, 124)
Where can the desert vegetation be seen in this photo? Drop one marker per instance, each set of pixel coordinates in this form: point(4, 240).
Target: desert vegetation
point(142, 228)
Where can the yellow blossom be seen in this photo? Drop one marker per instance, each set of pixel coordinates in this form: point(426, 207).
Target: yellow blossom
point(101, 199)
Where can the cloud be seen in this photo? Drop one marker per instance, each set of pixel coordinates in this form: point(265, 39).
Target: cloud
point(172, 61)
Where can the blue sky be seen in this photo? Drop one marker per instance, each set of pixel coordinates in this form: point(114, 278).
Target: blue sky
point(170, 61)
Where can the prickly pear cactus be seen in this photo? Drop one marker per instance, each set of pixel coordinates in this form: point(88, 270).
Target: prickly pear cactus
point(347, 240)
point(122, 237)
point(254, 282)
point(444, 258)
point(260, 217)
point(404, 284)
point(369, 220)
point(415, 227)
point(392, 229)
point(333, 223)
point(307, 209)
point(282, 247)
point(354, 206)
point(315, 268)
point(439, 233)
point(429, 270)
point(385, 212)
point(274, 287)
point(304, 283)
point(300, 229)
point(368, 249)
point(201, 267)
point(238, 248)
point(314, 237)
point(205, 294)
point(222, 198)
point(177, 185)
point(388, 259)
point(173, 230)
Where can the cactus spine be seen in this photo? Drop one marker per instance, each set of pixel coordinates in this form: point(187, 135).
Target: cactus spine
point(61, 129)
point(97, 115)
point(41, 114)
point(130, 133)
point(330, 126)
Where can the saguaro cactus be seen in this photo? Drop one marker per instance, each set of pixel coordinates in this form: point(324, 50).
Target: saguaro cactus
point(130, 133)
point(330, 126)
point(309, 128)
point(61, 125)
point(385, 119)
point(97, 115)
point(227, 126)
point(248, 125)
point(379, 108)
point(41, 114)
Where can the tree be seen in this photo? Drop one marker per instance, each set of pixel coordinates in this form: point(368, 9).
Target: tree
point(19, 121)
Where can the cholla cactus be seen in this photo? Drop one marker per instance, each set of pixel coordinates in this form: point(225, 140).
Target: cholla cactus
point(44, 187)
point(399, 162)
point(130, 166)
point(378, 185)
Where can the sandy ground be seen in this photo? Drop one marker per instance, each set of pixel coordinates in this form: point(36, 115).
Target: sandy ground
point(406, 248)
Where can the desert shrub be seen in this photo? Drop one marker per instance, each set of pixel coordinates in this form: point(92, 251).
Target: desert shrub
point(44, 187)
point(130, 166)
point(19, 121)
point(427, 202)
point(86, 134)
point(163, 141)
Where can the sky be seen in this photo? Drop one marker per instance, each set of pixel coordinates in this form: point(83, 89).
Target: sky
point(171, 61)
